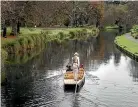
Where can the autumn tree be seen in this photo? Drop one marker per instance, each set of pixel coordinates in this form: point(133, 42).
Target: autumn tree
point(98, 11)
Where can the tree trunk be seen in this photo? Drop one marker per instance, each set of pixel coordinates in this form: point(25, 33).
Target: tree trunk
point(86, 19)
point(18, 27)
point(4, 31)
point(97, 23)
point(14, 27)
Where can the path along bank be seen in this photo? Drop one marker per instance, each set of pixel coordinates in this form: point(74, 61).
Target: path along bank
point(127, 44)
point(36, 37)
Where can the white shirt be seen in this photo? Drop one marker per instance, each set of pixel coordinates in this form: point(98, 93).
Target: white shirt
point(75, 70)
point(76, 59)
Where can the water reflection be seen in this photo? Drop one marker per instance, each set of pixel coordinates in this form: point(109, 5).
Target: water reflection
point(22, 58)
point(134, 70)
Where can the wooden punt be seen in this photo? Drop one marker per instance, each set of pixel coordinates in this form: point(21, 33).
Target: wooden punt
point(69, 77)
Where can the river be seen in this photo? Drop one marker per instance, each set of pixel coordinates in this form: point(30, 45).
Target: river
point(111, 77)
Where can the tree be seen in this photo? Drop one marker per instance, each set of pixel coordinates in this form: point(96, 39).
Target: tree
point(115, 14)
point(12, 11)
point(50, 13)
point(67, 21)
point(98, 8)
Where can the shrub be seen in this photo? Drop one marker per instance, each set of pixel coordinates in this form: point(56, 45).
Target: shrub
point(30, 42)
point(38, 40)
point(134, 31)
point(84, 31)
point(23, 41)
point(72, 34)
point(66, 22)
point(13, 47)
point(61, 35)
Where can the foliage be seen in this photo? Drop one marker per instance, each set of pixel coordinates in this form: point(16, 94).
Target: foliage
point(134, 31)
point(51, 13)
point(99, 12)
point(115, 14)
point(67, 22)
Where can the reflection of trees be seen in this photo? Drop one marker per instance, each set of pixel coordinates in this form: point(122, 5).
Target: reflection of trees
point(3, 75)
point(22, 58)
point(134, 70)
point(17, 77)
point(117, 57)
point(110, 47)
point(100, 48)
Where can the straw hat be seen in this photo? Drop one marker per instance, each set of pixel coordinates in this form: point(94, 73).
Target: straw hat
point(76, 54)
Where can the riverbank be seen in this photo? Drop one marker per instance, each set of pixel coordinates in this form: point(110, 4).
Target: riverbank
point(32, 38)
point(127, 45)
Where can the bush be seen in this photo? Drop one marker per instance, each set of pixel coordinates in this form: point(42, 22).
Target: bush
point(134, 31)
point(84, 32)
point(61, 35)
point(30, 42)
point(13, 47)
point(66, 22)
point(23, 41)
point(72, 34)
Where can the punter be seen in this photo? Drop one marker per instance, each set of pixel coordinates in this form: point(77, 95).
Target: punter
point(76, 59)
point(75, 70)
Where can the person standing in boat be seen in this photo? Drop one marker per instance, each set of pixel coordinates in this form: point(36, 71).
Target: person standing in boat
point(76, 59)
point(75, 71)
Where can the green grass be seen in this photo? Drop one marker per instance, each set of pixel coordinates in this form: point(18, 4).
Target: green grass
point(134, 31)
point(6, 41)
point(26, 30)
point(127, 44)
point(111, 27)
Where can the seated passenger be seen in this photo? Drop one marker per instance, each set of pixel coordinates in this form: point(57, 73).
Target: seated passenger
point(68, 68)
point(81, 66)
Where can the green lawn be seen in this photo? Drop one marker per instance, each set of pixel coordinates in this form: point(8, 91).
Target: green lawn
point(127, 44)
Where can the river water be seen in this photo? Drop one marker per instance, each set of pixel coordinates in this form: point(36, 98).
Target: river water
point(111, 77)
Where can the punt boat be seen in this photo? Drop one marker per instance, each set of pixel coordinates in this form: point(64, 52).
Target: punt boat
point(69, 77)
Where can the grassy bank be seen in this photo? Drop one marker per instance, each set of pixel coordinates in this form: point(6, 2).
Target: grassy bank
point(111, 27)
point(134, 31)
point(128, 46)
point(31, 38)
